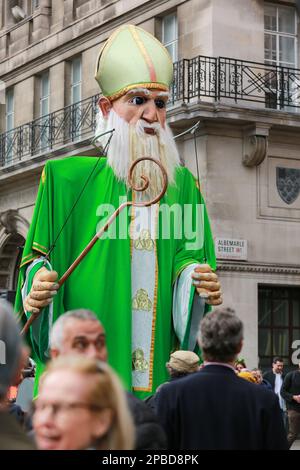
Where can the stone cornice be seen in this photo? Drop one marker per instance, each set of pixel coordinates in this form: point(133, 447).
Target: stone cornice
point(228, 113)
point(262, 268)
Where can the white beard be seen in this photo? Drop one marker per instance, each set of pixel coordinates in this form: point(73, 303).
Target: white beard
point(128, 143)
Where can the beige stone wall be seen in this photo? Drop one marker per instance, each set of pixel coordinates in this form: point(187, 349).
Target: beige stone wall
point(233, 196)
point(238, 29)
point(89, 85)
point(195, 28)
point(241, 293)
point(57, 78)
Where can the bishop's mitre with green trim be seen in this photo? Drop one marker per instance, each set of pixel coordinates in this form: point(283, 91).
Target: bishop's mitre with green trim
point(132, 58)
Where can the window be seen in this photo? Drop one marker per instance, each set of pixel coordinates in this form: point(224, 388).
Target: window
point(281, 50)
point(44, 94)
point(76, 80)
point(278, 323)
point(170, 34)
point(9, 109)
point(280, 36)
point(76, 97)
point(9, 121)
point(44, 110)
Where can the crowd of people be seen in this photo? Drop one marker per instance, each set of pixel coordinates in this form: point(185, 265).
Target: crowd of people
point(82, 404)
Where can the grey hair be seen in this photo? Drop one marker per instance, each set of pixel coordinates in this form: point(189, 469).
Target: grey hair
point(220, 335)
point(10, 346)
point(57, 331)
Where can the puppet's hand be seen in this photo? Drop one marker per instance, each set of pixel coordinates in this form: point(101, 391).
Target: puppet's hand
point(207, 284)
point(43, 289)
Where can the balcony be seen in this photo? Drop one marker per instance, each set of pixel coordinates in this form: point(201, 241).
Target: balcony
point(199, 80)
point(42, 136)
point(222, 78)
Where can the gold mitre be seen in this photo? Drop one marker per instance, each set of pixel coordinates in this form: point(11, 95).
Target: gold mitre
point(132, 58)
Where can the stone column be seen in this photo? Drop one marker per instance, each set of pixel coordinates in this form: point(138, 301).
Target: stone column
point(41, 21)
point(57, 15)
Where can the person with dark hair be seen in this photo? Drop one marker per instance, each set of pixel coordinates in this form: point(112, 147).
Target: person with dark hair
point(240, 364)
point(213, 409)
point(275, 377)
point(290, 391)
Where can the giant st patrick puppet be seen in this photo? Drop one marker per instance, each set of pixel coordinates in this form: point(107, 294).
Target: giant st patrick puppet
point(146, 278)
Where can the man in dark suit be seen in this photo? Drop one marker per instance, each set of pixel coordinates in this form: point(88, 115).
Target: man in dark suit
point(291, 393)
point(275, 377)
point(213, 408)
point(276, 373)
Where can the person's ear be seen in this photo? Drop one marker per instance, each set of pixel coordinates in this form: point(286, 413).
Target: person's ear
point(101, 423)
point(105, 106)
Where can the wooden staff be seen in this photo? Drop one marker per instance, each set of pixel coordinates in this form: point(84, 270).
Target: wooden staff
point(104, 229)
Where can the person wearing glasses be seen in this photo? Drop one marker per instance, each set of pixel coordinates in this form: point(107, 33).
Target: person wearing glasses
point(81, 405)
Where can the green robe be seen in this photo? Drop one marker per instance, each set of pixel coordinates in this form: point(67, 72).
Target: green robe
point(102, 282)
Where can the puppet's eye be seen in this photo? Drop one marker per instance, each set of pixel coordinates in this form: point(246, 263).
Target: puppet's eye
point(138, 100)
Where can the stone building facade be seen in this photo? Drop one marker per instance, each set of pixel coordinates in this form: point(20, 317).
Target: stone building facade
point(235, 74)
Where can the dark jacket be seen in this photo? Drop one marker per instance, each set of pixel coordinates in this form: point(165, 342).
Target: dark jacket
point(290, 387)
point(270, 377)
point(11, 435)
point(149, 432)
point(214, 409)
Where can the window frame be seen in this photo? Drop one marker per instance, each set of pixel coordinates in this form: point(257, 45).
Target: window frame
point(44, 117)
point(10, 113)
point(293, 293)
point(278, 34)
point(174, 41)
point(45, 98)
point(78, 83)
point(76, 105)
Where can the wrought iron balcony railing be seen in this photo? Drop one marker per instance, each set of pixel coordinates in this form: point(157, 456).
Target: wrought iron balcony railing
point(43, 135)
point(201, 78)
point(269, 85)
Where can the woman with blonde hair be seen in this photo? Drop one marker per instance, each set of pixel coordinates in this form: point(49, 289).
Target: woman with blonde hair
point(81, 405)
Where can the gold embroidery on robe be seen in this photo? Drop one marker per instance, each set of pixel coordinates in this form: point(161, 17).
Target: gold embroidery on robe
point(141, 301)
point(144, 241)
point(139, 362)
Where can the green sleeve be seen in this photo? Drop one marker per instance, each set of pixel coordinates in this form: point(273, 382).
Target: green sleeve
point(198, 247)
point(37, 244)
